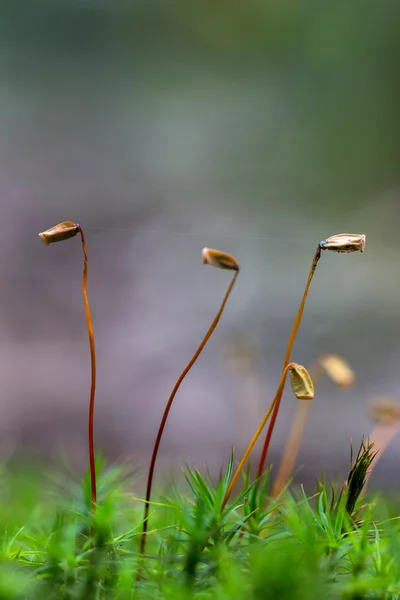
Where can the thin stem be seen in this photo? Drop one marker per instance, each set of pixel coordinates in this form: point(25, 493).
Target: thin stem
point(168, 408)
point(294, 441)
point(254, 439)
point(381, 436)
point(93, 373)
point(289, 348)
point(292, 447)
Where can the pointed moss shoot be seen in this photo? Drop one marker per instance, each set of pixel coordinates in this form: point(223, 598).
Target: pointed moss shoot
point(358, 476)
point(59, 233)
point(221, 260)
point(342, 242)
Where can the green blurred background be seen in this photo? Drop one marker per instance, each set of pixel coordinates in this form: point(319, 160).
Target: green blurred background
point(165, 126)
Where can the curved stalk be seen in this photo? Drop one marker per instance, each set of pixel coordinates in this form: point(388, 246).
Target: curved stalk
point(294, 441)
point(168, 408)
point(59, 233)
point(255, 437)
point(340, 372)
point(289, 348)
point(92, 464)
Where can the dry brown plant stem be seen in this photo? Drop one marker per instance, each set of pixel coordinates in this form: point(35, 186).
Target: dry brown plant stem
point(289, 348)
point(168, 408)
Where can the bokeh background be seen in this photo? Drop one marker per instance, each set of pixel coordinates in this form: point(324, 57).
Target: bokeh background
point(165, 126)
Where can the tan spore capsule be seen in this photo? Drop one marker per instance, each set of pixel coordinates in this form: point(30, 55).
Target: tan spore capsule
point(301, 382)
point(59, 233)
point(221, 260)
point(337, 369)
point(344, 242)
point(385, 411)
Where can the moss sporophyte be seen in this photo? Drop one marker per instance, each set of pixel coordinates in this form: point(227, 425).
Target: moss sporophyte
point(59, 233)
point(224, 261)
point(302, 383)
point(343, 243)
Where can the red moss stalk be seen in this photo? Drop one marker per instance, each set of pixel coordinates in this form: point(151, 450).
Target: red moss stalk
point(92, 463)
point(223, 261)
point(59, 233)
point(288, 353)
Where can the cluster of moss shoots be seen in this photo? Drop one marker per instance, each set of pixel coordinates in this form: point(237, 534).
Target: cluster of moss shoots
point(302, 383)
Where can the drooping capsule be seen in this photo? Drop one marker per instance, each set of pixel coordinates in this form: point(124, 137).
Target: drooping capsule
point(221, 260)
point(344, 242)
point(301, 382)
point(59, 233)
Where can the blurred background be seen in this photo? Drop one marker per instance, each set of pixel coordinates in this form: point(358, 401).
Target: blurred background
point(259, 128)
